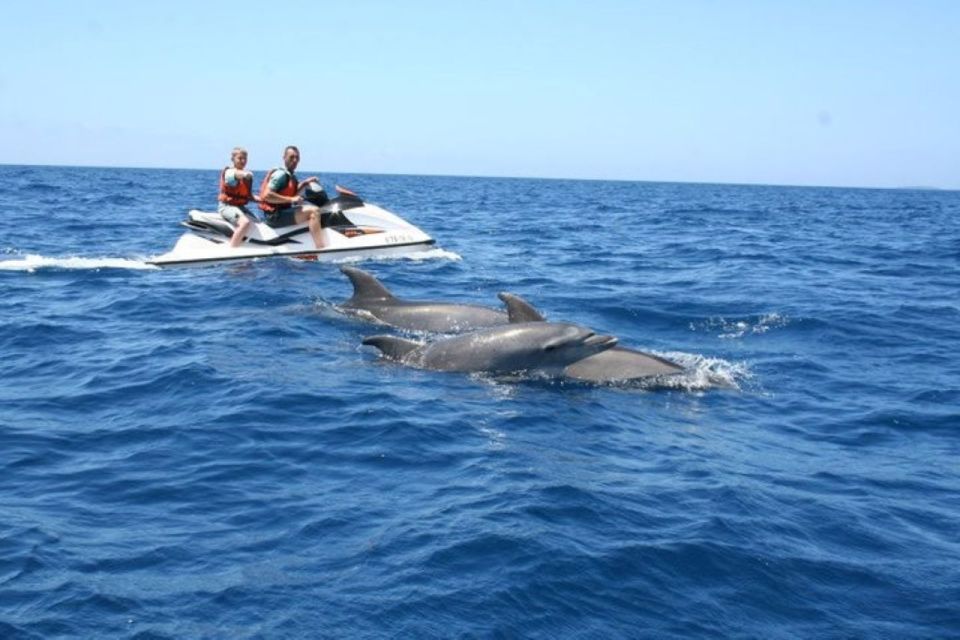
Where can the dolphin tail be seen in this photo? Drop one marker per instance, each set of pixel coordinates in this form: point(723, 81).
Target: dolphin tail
point(519, 310)
point(391, 346)
point(365, 286)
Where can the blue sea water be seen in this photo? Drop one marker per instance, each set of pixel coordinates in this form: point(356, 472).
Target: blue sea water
point(211, 453)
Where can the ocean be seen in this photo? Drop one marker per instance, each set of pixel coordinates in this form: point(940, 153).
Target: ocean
point(211, 453)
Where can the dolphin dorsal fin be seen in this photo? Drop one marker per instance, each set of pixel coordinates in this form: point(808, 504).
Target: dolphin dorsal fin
point(519, 310)
point(391, 346)
point(365, 285)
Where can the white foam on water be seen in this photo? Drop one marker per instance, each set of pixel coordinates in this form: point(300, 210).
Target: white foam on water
point(434, 254)
point(702, 372)
point(413, 256)
point(32, 262)
point(732, 329)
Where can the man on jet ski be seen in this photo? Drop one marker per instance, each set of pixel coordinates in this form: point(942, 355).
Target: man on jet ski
point(236, 187)
point(280, 197)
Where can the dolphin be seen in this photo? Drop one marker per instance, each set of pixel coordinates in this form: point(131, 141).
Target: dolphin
point(616, 365)
point(621, 364)
point(545, 347)
point(371, 298)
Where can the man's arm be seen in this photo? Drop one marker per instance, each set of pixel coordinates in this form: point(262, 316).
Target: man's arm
point(309, 180)
point(273, 197)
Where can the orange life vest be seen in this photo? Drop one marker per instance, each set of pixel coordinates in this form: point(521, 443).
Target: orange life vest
point(289, 191)
point(238, 195)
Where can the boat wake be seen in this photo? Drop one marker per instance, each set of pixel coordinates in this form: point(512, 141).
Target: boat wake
point(413, 256)
point(32, 262)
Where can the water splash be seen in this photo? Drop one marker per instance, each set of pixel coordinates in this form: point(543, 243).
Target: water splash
point(702, 373)
point(733, 329)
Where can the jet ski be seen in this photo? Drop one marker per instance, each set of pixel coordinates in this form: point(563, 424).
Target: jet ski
point(351, 228)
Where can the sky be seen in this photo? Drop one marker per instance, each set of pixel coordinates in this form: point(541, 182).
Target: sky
point(841, 92)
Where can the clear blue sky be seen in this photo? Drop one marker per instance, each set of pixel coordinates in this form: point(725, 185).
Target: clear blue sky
point(814, 92)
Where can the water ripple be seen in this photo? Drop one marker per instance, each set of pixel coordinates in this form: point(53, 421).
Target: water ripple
point(211, 452)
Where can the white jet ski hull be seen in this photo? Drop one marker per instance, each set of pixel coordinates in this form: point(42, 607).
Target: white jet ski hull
point(354, 229)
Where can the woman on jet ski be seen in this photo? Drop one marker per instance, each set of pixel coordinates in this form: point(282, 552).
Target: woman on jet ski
point(280, 197)
point(236, 187)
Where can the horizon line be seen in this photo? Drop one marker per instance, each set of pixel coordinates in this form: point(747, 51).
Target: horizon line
point(488, 177)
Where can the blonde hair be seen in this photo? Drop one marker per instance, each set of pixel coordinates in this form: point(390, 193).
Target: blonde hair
point(237, 150)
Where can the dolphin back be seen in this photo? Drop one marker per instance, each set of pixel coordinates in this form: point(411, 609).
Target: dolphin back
point(365, 286)
point(621, 365)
